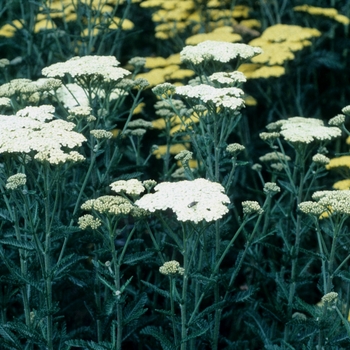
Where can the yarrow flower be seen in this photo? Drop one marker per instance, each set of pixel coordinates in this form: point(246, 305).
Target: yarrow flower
point(28, 132)
point(234, 148)
point(271, 188)
point(304, 130)
point(104, 67)
point(274, 156)
point(338, 120)
point(15, 181)
point(217, 51)
point(251, 207)
point(171, 268)
point(330, 297)
point(229, 98)
point(346, 110)
point(101, 134)
point(87, 221)
point(193, 201)
point(115, 205)
point(132, 186)
point(320, 159)
point(224, 78)
point(333, 202)
point(184, 156)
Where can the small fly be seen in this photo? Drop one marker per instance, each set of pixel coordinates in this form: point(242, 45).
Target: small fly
point(192, 204)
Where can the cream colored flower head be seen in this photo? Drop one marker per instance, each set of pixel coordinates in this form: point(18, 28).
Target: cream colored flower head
point(171, 268)
point(306, 130)
point(104, 67)
point(193, 201)
point(15, 181)
point(217, 51)
point(87, 221)
point(28, 132)
point(251, 207)
point(132, 187)
point(229, 98)
point(115, 205)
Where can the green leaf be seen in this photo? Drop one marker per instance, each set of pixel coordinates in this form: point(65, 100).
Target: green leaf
point(16, 244)
point(106, 283)
point(166, 343)
point(133, 259)
point(135, 309)
point(10, 338)
point(65, 263)
point(90, 345)
point(162, 292)
point(196, 333)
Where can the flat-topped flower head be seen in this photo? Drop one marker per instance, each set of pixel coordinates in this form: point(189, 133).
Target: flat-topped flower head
point(104, 67)
point(115, 205)
point(305, 130)
point(229, 98)
point(217, 51)
point(132, 186)
point(338, 120)
point(29, 132)
point(320, 159)
point(87, 221)
point(15, 181)
point(101, 134)
point(171, 268)
point(228, 79)
point(193, 201)
point(40, 113)
point(334, 202)
point(234, 149)
point(251, 207)
point(274, 157)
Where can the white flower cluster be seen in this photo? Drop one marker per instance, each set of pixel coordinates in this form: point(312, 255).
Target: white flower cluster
point(231, 78)
point(320, 159)
point(115, 205)
point(87, 221)
point(311, 208)
point(234, 148)
point(27, 131)
point(217, 51)
point(330, 297)
point(328, 203)
point(101, 134)
point(15, 181)
point(132, 186)
point(194, 201)
point(271, 188)
point(274, 157)
point(251, 207)
point(29, 87)
point(338, 120)
point(41, 113)
point(304, 130)
point(105, 67)
point(171, 268)
point(229, 98)
point(184, 156)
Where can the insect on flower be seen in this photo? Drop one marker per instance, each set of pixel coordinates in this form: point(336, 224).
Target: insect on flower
point(192, 204)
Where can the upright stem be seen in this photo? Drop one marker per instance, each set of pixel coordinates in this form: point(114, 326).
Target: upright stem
point(183, 305)
point(47, 261)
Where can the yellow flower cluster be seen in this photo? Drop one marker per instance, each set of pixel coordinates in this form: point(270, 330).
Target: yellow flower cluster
point(173, 17)
point(67, 11)
point(279, 43)
point(323, 11)
point(165, 69)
